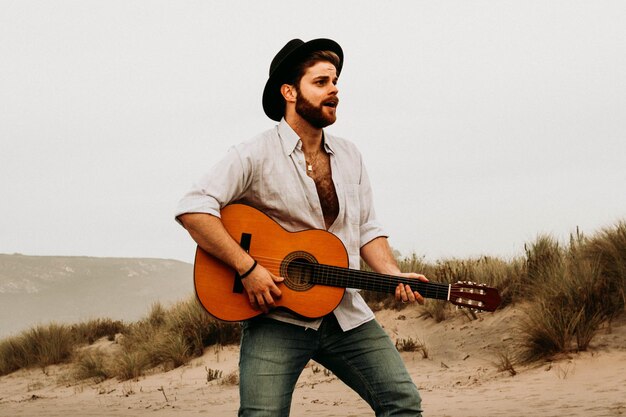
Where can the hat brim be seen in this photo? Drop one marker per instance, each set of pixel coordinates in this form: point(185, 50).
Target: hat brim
point(273, 101)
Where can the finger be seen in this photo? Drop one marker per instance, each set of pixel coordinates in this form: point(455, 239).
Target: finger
point(267, 297)
point(276, 291)
point(404, 297)
point(420, 277)
point(399, 292)
point(269, 300)
point(251, 298)
point(273, 287)
point(418, 297)
point(261, 302)
point(409, 293)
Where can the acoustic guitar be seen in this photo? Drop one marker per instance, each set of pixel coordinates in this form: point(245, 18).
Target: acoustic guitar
point(314, 264)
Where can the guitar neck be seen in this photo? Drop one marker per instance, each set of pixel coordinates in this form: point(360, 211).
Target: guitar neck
point(372, 281)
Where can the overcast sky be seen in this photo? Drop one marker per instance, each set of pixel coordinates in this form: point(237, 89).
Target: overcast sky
point(482, 123)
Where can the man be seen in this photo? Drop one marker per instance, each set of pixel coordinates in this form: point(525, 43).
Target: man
point(304, 178)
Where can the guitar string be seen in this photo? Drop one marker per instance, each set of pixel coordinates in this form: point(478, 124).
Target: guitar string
point(376, 281)
point(383, 283)
point(387, 283)
point(366, 279)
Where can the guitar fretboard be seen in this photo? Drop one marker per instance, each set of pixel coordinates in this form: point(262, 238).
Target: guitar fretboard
point(349, 278)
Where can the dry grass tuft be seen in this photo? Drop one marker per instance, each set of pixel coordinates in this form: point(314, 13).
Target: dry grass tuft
point(576, 289)
point(412, 345)
point(92, 364)
point(166, 338)
point(505, 362)
point(92, 330)
point(171, 337)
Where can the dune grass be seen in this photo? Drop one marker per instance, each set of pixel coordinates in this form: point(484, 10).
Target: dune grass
point(92, 364)
point(165, 338)
point(576, 289)
point(50, 344)
point(169, 338)
point(567, 291)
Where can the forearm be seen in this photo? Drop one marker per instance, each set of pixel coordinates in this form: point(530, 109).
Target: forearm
point(378, 255)
point(211, 235)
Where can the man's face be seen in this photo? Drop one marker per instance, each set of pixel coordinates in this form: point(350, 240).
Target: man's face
point(317, 100)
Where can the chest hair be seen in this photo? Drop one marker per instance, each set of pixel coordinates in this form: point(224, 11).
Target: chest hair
point(322, 176)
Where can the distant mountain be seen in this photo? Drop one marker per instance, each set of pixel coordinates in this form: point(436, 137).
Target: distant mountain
point(41, 289)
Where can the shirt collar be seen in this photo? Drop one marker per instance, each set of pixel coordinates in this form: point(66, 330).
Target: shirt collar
point(291, 140)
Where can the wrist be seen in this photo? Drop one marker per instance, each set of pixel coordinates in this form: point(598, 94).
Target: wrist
point(389, 268)
point(248, 271)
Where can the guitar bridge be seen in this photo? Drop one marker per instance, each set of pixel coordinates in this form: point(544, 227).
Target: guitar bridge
point(246, 238)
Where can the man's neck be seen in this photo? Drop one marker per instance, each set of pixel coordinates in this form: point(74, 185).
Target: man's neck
point(310, 136)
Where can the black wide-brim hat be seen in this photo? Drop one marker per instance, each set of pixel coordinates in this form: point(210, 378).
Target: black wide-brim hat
point(282, 65)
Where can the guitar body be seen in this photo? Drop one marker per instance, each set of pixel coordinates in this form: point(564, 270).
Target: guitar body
point(218, 287)
point(314, 264)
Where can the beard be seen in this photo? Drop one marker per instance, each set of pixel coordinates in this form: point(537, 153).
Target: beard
point(313, 114)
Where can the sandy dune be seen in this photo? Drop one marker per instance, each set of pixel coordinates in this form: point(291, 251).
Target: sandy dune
point(459, 377)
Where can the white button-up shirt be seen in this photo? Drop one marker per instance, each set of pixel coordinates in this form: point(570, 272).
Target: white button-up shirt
point(268, 173)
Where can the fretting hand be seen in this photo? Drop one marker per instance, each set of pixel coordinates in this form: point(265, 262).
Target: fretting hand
point(404, 292)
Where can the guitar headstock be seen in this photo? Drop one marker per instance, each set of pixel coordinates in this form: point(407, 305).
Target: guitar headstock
point(475, 296)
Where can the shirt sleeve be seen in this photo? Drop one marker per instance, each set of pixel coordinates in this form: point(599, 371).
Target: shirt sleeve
point(370, 228)
point(225, 182)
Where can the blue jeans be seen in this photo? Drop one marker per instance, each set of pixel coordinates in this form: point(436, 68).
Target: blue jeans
point(273, 355)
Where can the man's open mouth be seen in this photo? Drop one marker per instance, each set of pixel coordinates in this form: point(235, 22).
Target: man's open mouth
point(331, 103)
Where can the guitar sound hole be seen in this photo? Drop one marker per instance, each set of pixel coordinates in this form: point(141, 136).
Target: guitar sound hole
point(297, 269)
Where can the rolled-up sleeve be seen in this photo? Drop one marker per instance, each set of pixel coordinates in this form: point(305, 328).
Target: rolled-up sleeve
point(370, 228)
point(225, 182)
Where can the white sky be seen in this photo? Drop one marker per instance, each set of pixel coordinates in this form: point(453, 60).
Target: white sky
point(483, 123)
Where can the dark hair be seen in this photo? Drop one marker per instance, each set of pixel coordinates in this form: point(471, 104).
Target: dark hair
point(294, 76)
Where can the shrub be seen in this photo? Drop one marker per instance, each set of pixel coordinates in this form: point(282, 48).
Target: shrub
point(570, 301)
point(608, 249)
point(171, 349)
point(47, 345)
point(13, 355)
point(92, 364)
point(130, 365)
point(542, 258)
point(505, 362)
point(92, 330)
point(198, 328)
point(157, 315)
point(50, 344)
point(412, 345)
point(171, 337)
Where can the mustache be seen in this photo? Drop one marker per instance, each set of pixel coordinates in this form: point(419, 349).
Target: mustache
point(333, 101)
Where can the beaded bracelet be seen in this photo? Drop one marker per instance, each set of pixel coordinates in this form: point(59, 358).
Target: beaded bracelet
point(248, 272)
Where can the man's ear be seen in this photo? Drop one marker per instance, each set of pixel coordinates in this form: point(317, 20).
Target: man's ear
point(289, 92)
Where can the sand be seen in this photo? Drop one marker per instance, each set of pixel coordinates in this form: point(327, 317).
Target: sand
point(457, 376)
